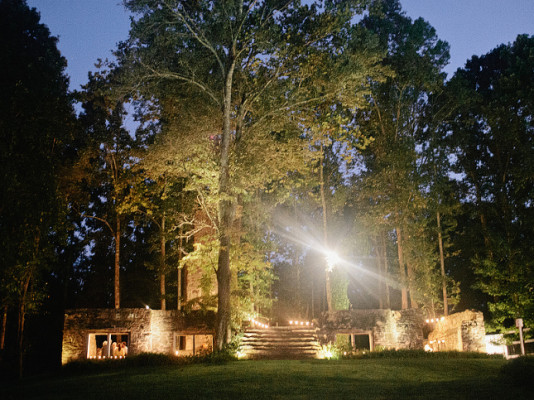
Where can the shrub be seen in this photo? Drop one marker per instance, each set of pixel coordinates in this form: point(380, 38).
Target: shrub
point(519, 371)
point(146, 360)
point(403, 353)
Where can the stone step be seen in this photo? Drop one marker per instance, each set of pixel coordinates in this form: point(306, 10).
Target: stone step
point(280, 343)
point(285, 355)
point(279, 346)
point(283, 329)
point(279, 338)
point(266, 350)
point(282, 334)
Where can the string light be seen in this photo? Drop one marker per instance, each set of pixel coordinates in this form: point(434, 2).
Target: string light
point(300, 323)
point(259, 324)
point(436, 320)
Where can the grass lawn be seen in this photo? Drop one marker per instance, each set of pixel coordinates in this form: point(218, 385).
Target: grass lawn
point(292, 379)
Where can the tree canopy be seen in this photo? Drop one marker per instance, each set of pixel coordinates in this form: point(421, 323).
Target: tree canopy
point(267, 134)
point(36, 127)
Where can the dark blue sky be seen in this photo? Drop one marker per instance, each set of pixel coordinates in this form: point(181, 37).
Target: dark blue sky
point(90, 29)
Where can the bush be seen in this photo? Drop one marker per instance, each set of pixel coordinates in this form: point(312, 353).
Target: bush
point(146, 360)
point(519, 371)
point(417, 354)
point(218, 357)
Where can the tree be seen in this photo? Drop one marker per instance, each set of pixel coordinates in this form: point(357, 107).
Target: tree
point(491, 131)
point(246, 63)
point(390, 183)
point(100, 181)
point(36, 123)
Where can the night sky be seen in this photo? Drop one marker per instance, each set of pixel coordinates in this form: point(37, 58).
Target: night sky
point(90, 29)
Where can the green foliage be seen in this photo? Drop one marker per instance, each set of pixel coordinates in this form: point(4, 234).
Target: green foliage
point(251, 288)
point(145, 360)
point(330, 351)
point(491, 131)
point(391, 192)
point(519, 371)
point(340, 283)
point(418, 354)
point(37, 126)
point(231, 81)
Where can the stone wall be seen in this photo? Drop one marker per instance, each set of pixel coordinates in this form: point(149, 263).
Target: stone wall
point(388, 329)
point(148, 330)
point(462, 331)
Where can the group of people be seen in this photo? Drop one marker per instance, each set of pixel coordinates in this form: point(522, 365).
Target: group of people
point(117, 349)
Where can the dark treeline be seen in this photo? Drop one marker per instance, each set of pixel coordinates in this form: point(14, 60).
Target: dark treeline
point(268, 136)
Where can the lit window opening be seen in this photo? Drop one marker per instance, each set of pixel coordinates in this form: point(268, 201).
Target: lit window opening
point(106, 345)
point(192, 344)
point(360, 341)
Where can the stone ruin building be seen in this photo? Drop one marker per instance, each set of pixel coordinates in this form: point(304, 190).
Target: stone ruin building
point(405, 329)
point(91, 333)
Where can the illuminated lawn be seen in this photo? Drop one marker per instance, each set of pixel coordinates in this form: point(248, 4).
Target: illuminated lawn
point(316, 379)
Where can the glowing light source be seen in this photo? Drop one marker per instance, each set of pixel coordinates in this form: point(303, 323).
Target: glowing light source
point(258, 323)
point(331, 260)
point(298, 323)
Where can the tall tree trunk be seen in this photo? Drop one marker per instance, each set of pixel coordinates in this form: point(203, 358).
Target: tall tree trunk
point(180, 273)
point(223, 287)
point(22, 303)
point(296, 268)
point(4, 326)
point(296, 271)
point(117, 263)
point(413, 302)
point(224, 275)
point(442, 264)
point(386, 267)
point(379, 264)
point(328, 284)
point(482, 216)
point(162, 264)
point(402, 270)
point(20, 323)
point(313, 300)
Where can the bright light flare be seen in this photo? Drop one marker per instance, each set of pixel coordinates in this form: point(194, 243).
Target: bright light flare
point(332, 259)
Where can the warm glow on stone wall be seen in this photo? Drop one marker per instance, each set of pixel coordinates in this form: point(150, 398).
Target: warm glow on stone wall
point(143, 330)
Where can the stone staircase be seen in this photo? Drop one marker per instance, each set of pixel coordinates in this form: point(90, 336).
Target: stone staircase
point(279, 343)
